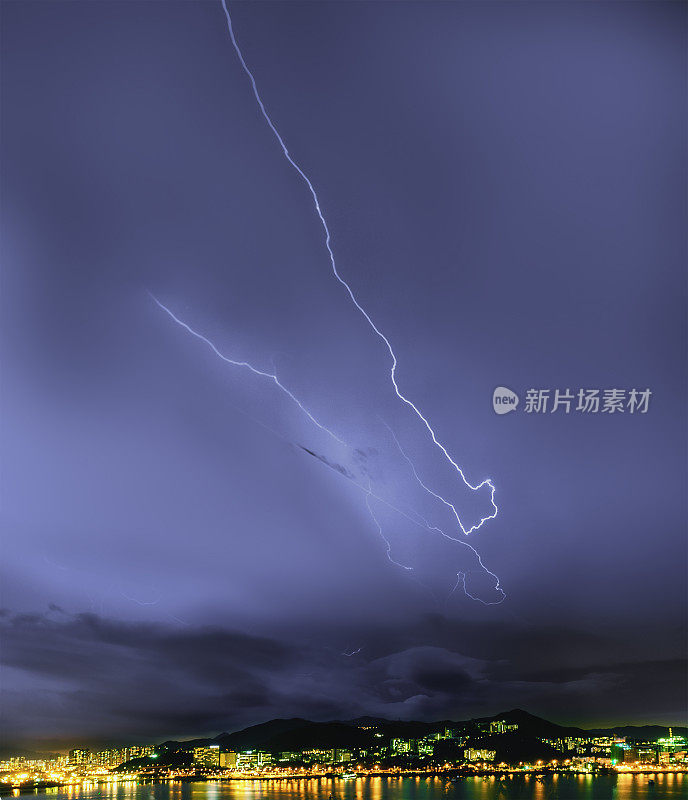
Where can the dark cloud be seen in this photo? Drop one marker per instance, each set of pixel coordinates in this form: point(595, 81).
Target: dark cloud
point(331, 464)
point(449, 681)
point(152, 680)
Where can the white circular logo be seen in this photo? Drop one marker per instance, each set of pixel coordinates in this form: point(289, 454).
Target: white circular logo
point(504, 400)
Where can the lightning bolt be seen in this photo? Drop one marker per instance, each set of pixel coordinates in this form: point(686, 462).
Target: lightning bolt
point(141, 602)
point(497, 587)
point(435, 529)
point(473, 487)
point(426, 488)
point(369, 494)
point(461, 576)
point(461, 579)
point(270, 375)
point(423, 523)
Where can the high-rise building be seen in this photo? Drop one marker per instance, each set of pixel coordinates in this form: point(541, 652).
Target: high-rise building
point(79, 756)
point(207, 757)
point(111, 758)
point(672, 744)
point(250, 759)
point(228, 759)
point(318, 756)
point(647, 754)
point(140, 751)
point(289, 756)
point(397, 746)
point(426, 746)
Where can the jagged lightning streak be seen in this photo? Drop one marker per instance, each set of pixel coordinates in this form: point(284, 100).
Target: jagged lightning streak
point(369, 493)
point(427, 488)
point(347, 287)
point(271, 376)
point(497, 587)
point(435, 529)
point(461, 578)
point(141, 602)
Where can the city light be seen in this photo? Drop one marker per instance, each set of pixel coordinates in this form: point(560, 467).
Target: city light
point(461, 750)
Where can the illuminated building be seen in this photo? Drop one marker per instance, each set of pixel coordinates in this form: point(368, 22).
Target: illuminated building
point(479, 755)
point(398, 746)
point(317, 756)
point(426, 746)
point(647, 754)
point(601, 745)
point(228, 759)
point(500, 726)
point(111, 758)
point(618, 752)
point(79, 756)
point(208, 757)
point(140, 751)
point(672, 744)
point(250, 759)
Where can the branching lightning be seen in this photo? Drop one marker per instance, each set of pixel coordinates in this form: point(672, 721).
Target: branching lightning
point(347, 287)
point(270, 375)
point(497, 587)
point(435, 529)
point(461, 579)
point(369, 494)
point(368, 491)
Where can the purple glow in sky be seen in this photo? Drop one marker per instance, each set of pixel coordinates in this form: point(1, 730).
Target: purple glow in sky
point(184, 550)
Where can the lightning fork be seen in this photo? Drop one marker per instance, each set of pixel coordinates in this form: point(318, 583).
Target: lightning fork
point(270, 375)
point(349, 290)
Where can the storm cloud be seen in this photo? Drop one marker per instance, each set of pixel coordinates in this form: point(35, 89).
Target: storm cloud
point(101, 680)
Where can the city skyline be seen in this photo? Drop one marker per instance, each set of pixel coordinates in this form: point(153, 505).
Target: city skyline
point(135, 749)
point(273, 276)
point(512, 743)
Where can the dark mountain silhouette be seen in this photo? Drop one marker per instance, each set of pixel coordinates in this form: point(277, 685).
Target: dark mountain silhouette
point(324, 735)
point(295, 734)
point(512, 748)
point(258, 737)
point(640, 732)
point(529, 724)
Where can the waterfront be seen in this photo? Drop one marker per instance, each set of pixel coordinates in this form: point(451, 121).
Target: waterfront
point(514, 787)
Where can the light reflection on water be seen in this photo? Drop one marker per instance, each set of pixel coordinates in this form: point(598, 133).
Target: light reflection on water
point(515, 787)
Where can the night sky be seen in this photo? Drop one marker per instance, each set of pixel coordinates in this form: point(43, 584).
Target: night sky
point(505, 185)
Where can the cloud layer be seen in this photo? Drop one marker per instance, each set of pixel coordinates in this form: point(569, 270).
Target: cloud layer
point(96, 679)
